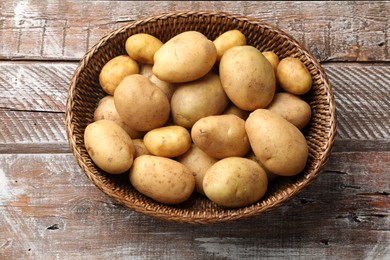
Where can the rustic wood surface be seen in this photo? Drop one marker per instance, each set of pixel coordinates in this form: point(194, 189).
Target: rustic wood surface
point(50, 210)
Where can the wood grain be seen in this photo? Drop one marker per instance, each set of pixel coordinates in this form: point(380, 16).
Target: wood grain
point(52, 30)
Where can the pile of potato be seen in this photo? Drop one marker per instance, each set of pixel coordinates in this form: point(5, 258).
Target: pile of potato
point(217, 117)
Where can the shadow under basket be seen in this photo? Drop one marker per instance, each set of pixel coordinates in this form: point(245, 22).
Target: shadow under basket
point(85, 92)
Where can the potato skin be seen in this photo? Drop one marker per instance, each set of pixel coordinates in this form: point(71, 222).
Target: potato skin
point(272, 58)
point(115, 70)
point(221, 136)
point(277, 143)
point(162, 179)
point(227, 40)
point(247, 77)
point(293, 76)
point(166, 87)
point(235, 182)
point(141, 104)
point(233, 110)
point(142, 47)
point(140, 148)
point(109, 146)
point(292, 108)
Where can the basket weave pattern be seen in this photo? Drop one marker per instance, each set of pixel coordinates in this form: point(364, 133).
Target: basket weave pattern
point(85, 92)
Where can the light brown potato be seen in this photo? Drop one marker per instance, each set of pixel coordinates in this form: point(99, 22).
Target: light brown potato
point(186, 57)
point(270, 175)
point(146, 70)
point(221, 136)
point(247, 77)
point(277, 143)
point(292, 108)
point(198, 162)
point(142, 47)
point(272, 58)
point(197, 99)
point(140, 148)
point(109, 146)
point(293, 76)
point(227, 40)
point(235, 182)
point(166, 87)
point(233, 110)
point(168, 141)
point(106, 110)
point(162, 179)
point(141, 104)
point(115, 70)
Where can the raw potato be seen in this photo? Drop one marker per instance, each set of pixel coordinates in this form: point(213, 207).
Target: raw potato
point(162, 179)
point(235, 182)
point(146, 70)
point(109, 146)
point(233, 110)
point(227, 40)
point(278, 144)
point(221, 136)
point(142, 47)
point(293, 76)
point(140, 148)
point(247, 77)
point(197, 99)
point(272, 58)
point(270, 175)
point(166, 87)
point(106, 110)
point(168, 141)
point(198, 162)
point(292, 108)
point(141, 104)
point(115, 70)
point(186, 57)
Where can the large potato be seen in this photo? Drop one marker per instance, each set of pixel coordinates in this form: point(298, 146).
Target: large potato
point(115, 70)
point(197, 99)
point(109, 146)
point(141, 104)
point(106, 110)
point(293, 76)
point(221, 136)
point(292, 108)
point(142, 47)
point(168, 141)
point(162, 179)
point(198, 162)
point(277, 143)
point(235, 182)
point(247, 77)
point(227, 40)
point(187, 56)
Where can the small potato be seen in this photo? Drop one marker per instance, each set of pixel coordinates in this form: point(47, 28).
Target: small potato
point(168, 141)
point(272, 58)
point(233, 110)
point(277, 143)
point(162, 179)
point(227, 40)
point(115, 70)
point(142, 47)
point(198, 162)
point(106, 110)
point(140, 148)
point(186, 57)
point(141, 104)
point(293, 76)
point(235, 182)
point(109, 146)
point(146, 70)
point(292, 108)
point(221, 136)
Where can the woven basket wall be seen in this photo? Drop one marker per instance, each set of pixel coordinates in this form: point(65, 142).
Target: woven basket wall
point(85, 92)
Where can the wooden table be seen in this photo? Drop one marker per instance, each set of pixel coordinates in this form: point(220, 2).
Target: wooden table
point(50, 210)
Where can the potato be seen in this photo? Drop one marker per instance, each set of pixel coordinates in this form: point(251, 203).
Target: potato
point(166, 87)
point(227, 40)
point(187, 56)
point(141, 104)
point(142, 47)
point(270, 175)
point(168, 141)
point(272, 58)
point(233, 110)
point(109, 146)
point(277, 143)
point(293, 76)
point(106, 110)
point(198, 162)
point(247, 77)
point(197, 99)
point(235, 182)
point(221, 136)
point(115, 70)
point(140, 148)
point(146, 70)
point(292, 108)
point(162, 179)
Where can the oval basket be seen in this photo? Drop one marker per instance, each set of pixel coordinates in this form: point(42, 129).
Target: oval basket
point(85, 92)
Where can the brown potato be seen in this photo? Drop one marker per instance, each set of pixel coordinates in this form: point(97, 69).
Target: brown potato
point(293, 76)
point(140, 148)
point(142, 47)
point(227, 40)
point(233, 110)
point(270, 175)
point(272, 58)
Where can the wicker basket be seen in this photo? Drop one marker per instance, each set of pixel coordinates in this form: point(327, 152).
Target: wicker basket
point(85, 92)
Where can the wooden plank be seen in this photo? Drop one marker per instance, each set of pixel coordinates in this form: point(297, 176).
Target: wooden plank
point(341, 31)
point(48, 208)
